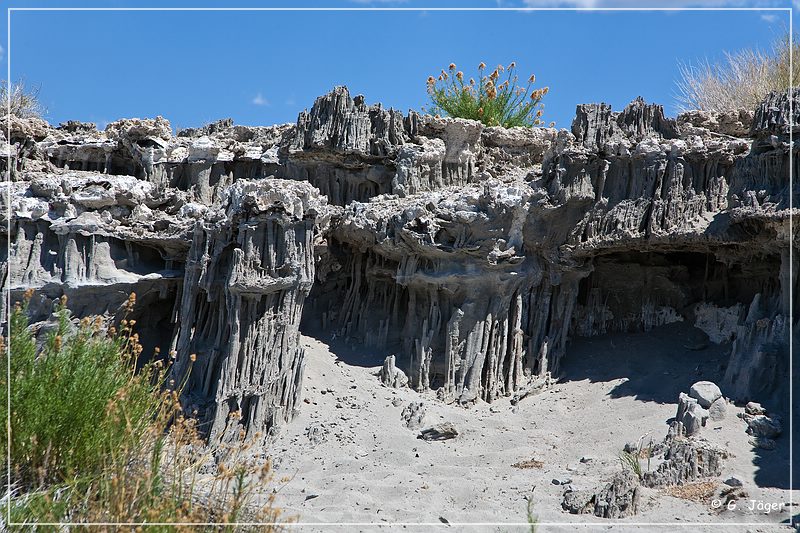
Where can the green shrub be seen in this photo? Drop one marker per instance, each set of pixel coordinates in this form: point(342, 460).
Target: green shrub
point(741, 80)
point(93, 439)
point(70, 397)
point(489, 100)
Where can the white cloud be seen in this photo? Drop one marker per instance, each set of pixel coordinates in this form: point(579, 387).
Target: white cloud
point(2, 52)
point(259, 100)
point(769, 18)
point(657, 4)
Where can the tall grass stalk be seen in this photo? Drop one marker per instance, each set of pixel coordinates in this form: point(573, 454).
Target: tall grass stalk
point(24, 102)
point(741, 80)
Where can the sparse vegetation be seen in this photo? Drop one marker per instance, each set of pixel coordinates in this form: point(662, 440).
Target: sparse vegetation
point(95, 440)
point(19, 100)
point(487, 99)
point(700, 491)
point(533, 520)
point(530, 463)
point(631, 461)
point(741, 80)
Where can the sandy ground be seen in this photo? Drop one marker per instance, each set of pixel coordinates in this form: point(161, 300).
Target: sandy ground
point(350, 458)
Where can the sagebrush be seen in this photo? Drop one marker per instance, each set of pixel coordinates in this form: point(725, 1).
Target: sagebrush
point(489, 100)
point(96, 439)
point(741, 80)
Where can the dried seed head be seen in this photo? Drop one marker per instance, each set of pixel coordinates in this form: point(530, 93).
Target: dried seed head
point(532, 79)
point(452, 66)
point(512, 65)
point(193, 357)
point(553, 124)
point(482, 66)
point(460, 75)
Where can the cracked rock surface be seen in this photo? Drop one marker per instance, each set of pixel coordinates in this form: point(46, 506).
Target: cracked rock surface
point(475, 255)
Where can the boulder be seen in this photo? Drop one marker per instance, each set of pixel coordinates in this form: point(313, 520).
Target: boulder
point(764, 427)
point(705, 392)
point(717, 410)
point(754, 408)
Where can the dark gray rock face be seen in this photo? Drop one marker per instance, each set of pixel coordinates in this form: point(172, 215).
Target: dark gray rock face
point(618, 498)
point(596, 126)
point(473, 253)
point(245, 282)
point(683, 460)
point(772, 115)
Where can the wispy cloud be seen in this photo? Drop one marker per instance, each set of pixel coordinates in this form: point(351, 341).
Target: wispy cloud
point(769, 18)
point(379, 1)
point(2, 52)
point(657, 4)
point(259, 100)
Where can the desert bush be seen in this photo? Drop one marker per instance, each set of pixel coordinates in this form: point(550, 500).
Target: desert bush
point(19, 100)
point(69, 396)
point(94, 439)
point(741, 80)
point(489, 100)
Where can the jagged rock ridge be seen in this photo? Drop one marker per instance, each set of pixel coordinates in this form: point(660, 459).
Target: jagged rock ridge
point(475, 252)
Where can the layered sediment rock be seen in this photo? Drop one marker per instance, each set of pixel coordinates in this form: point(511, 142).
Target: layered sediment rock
point(246, 278)
point(473, 253)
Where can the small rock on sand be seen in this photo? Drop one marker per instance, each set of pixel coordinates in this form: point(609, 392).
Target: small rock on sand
point(443, 431)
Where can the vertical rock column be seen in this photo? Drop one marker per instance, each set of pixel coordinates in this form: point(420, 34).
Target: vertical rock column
point(247, 277)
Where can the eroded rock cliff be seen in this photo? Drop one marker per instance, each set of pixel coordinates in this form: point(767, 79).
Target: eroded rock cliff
point(473, 253)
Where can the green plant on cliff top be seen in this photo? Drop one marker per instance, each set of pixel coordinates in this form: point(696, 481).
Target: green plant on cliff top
point(491, 100)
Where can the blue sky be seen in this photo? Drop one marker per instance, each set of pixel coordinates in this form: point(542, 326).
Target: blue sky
point(264, 67)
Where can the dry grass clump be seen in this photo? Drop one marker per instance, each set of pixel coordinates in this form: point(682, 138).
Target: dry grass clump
point(699, 491)
point(19, 101)
point(94, 439)
point(741, 80)
point(530, 463)
point(488, 100)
